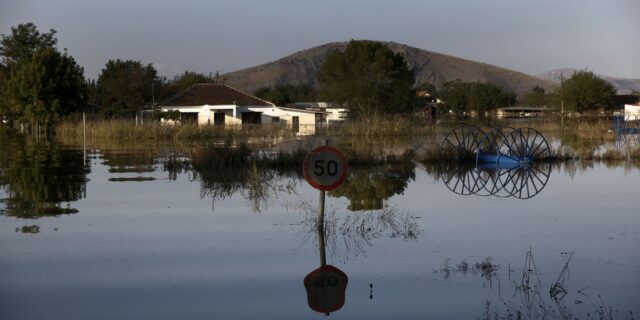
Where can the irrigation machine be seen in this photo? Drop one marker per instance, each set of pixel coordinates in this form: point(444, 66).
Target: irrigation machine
point(501, 162)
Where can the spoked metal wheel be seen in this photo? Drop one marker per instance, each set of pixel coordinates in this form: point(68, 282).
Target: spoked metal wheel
point(463, 180)
point(499, 183)
point(462, 143)
point(525, 182)
point(490, 145)
point(526, 145)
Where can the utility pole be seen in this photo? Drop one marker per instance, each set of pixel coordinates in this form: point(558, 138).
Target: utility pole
point(561, 93)
point(562, 107)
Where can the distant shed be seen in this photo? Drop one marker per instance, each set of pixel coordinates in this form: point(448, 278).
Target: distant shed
point(522, 112)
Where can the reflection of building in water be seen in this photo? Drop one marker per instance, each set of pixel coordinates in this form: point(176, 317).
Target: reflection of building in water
point(369, 188)
point(39, 177)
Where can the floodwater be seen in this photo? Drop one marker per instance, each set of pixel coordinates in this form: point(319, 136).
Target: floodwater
point(125, 233)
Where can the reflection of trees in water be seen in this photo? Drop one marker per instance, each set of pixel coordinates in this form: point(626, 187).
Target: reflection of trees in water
point(38, 177)
point(225, 171)
point(367, 188)
point(350, 234)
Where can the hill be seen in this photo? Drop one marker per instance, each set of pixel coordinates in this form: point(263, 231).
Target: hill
point(430, 67)
point(622, 85)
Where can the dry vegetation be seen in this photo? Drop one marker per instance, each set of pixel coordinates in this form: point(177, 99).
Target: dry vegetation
point(128, 130)
point(366, 141)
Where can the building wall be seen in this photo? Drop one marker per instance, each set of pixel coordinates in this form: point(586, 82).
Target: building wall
point(306, 119)
point(631, 112)
point(336, 114)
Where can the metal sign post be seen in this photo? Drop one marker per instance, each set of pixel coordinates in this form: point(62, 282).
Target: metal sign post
point(325, 168)
point(320, 222)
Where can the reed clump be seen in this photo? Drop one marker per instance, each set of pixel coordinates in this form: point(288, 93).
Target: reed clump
point(613, 155)
point(635, 154)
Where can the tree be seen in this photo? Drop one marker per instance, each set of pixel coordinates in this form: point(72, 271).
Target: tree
point(183, 82)
point(25, 39)
point(284, 94)
point(16, 47)
point(189, 78)
point(535, 98)
point(38, 83)
point(368, 78)
point(462, 96)
point(4, 104)
point(125, 86)
point(45, 87)
point(585, 91)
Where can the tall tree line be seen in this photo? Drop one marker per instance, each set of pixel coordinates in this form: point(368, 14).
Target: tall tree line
point(39, 84)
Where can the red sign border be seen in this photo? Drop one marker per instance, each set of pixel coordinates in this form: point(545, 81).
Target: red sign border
point(343, 288)
point(307, 176)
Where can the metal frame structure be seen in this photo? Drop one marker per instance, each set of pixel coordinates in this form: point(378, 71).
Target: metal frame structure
point(506, 147)
point(503, 162)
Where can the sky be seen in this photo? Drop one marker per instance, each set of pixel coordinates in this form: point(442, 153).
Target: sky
point(531, 36)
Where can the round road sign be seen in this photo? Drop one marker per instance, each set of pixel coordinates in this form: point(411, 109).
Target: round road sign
point(325, 168)
point(326, 287)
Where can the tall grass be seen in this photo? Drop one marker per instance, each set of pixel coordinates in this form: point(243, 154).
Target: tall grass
point(154, 131)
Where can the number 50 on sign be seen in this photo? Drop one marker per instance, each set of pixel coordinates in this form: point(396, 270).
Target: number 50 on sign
point(325, 168)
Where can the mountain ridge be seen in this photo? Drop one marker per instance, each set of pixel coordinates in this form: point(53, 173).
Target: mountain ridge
point(301, 67)
point(622, 85)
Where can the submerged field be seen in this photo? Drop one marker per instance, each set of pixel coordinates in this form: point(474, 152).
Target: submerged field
point(189, 228)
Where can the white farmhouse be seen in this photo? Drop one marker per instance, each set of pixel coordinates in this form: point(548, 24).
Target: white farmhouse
point(222, 105)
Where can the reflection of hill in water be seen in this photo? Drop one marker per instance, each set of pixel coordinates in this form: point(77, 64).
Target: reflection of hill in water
point(39, 176)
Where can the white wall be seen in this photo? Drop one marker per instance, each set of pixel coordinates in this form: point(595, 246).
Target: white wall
point(631, 112)
point(307, 119)
point(336, 114)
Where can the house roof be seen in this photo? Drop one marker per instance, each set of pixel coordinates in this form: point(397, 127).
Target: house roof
point(303, 110)
point(214, 94)
point(525, 109)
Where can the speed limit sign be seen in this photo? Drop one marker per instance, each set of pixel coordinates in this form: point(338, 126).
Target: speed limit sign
point(325, 168)
point(326, 288)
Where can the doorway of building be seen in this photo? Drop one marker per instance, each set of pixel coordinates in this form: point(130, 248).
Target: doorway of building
point(295, 123)
point(251, 117)
point(218, 119)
